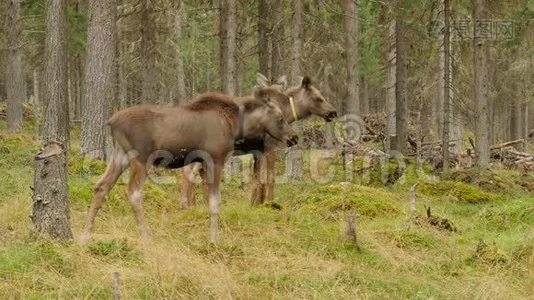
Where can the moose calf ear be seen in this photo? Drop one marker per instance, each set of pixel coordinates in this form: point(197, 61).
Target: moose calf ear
point(282, 81)
point(262, 94)
point(261, 80)
point(306, 82)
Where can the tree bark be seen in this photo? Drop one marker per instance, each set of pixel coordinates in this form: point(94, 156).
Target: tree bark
point(264, 37)
point(296, 37)
point(401, 105)
point(100, 77)
point(149, 92)
point(481, 53)
point(364, 96)
point(56, 126)
point(181, 95)
point(351, 105)
point(391, 83)
point(278, 39)
point(446, 85)
point(51, 213)
point(15, 83)
point(227, 34)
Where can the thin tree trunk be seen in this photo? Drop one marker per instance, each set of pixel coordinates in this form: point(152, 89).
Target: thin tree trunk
point(446, 86)
point(228, 46)
point(99, 78)
point(296, 37)
point(37, 105)
point(481, 53)
point(181, 95)
point(351, 104)
point(264, 37)
point(15, 85)
point(391, 83)
point(278, 39)
point(400, 86)
point(149, 92)
point(364, 96)
point(51, 213)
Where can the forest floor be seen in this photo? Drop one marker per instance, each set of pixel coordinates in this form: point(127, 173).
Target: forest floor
point(297, 251)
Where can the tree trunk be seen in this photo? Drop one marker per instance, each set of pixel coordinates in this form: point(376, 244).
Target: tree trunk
point(264, 37)
point(278, 39)
point(296, 37)
point(51, 213)
point(391, 83)
point(227, 33)
point(99, 78)
point(481, 53)
point(401, 104)
point(37, 105)
point(351, 104)
point(15, 85)
point(516, 120)
point(149, 92)
point(364, 96)
point(446, 85)
point(181, 95)
point(56, 126)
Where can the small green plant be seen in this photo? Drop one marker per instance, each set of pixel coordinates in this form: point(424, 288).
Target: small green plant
point(114, 249)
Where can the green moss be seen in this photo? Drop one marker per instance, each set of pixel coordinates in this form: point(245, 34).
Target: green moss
point(411, 239)
point(366, 201)
point(30, 255)
point(457, 191)
point(81, 165)
point(487, 180)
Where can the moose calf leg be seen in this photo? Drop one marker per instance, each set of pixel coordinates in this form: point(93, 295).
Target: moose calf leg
point(188, 188)
point(214, 202)
point(113, 171)
point(135, 195)
point(258, 180)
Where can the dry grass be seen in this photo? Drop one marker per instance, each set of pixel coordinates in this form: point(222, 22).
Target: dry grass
point(298, 252)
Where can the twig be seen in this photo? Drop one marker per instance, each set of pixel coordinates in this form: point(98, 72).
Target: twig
point(116, 285)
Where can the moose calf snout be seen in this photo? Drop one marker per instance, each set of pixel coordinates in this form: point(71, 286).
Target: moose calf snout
point(293, 140)
point(331, 115)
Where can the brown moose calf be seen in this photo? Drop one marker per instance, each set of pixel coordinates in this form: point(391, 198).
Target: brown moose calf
point(202, 131)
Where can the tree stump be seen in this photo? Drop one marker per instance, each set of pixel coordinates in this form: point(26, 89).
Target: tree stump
point(51, 213)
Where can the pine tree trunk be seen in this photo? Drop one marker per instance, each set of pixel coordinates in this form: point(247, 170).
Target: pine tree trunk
point(296, 37)
point(278, 39)
point(15, 84)
point(391, 83)
point(481, 53)
point(364, 96)
point(401, 105)
point(264, 37)
point(99, 92)
point(446, 85)
point(51, 213)
point(295, 164)
point(351, 105)
point(56, 126)
point(181, 95)
point(228, 29)
point(149, 92)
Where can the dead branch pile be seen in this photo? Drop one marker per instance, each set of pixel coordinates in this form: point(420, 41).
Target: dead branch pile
point(511, 158)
